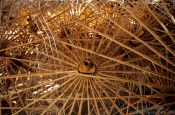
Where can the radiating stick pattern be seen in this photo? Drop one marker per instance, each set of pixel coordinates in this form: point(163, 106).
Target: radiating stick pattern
point(87, 57)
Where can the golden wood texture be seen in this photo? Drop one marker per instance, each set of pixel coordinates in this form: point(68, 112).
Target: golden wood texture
point(87, 57)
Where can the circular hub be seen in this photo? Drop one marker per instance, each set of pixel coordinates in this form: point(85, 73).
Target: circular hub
point(87, 67)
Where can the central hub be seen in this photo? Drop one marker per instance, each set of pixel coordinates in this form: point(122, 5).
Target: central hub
point(87, 67)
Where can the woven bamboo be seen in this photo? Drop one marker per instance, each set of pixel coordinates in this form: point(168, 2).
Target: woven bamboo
point(78, 57)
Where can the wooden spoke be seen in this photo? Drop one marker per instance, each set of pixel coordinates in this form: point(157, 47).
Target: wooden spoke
point(87, 57)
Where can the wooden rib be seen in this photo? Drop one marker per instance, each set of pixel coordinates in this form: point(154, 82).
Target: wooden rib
point(163, 26)
point(93, 95)
point(55, 100)
point(153, 107)
point(168, 12)
point(36, 62)
point(116, 94)
point(44, 83)
point(43, 96)
point(79, 81)
point(99, 95)
point(88, 97)
point(21, 101)
point(106, 98)
point(19, 45)
point(155, 36)
point(105, 64)
point(36, 74)
point(64, 55)
point(121, 62)
point(73, 104)
point(131, 49)
point(31, 108)
point(124, 80)
point(80, 107)
point(111, 100)
point(120, 56)
point(52, 57)
point(118, 71)
point(50, 45)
